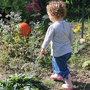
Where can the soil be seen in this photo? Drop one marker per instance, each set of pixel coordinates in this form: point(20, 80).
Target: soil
point(80, 79)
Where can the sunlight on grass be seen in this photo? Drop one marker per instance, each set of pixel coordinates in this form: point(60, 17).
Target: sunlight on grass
point(48, 82)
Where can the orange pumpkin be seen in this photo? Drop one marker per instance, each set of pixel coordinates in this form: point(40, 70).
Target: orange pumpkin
point(25, 29)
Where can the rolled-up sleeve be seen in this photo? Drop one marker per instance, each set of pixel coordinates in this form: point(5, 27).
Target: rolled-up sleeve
point(48, 37)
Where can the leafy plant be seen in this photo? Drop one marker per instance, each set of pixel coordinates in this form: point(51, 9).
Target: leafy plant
point(21, 82)
point(86, 65)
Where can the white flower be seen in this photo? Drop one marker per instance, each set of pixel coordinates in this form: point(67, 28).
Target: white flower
point(12, 13)
point(12, 25)
point(38, 22)
point(34, 15)
point(0, 15)
point(45, 17)
point(6, 27)
point(31, 22)
point(18, 19)
point(16, 15)
point(0, 21)
point(7, 16)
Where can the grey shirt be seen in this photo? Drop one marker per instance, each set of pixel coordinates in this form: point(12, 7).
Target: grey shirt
point(60, 36)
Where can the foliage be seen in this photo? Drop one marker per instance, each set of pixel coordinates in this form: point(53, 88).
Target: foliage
point(86, 65)
point(76, 5)
point(76, 10)
point(77, 46)
point(43, 4)
point(21, 82)
point(6, 6)
point(23, 49)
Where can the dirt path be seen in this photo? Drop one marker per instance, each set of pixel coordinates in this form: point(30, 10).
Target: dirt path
point(80, 79)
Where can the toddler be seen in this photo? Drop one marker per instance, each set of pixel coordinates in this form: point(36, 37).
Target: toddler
point(60, 35)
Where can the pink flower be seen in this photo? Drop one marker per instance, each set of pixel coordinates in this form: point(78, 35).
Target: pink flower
point(33, 3)
point(36, 6)
point(28, 6)
point(30, 10)
point(33, 7)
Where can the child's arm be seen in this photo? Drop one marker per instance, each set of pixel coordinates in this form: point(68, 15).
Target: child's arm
point(48, 37)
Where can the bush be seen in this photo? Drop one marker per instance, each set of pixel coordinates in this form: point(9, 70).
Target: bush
point(6, 6)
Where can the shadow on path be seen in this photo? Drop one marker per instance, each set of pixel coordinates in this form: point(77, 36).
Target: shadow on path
point(81, 86)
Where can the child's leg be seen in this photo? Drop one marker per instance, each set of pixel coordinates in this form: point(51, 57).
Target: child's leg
point(68, 84)
point(55, 76)
point(60, 67)
point(68, 81)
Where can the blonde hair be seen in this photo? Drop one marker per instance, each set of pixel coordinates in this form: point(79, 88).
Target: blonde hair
point(57, 9)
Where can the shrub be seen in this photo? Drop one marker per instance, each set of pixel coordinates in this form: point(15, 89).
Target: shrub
point(33, 10)
point(6, 6)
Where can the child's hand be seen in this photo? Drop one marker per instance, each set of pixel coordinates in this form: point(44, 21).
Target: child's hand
point(42, 52)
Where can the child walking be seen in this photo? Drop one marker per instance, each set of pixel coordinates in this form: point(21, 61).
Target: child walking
point(60, 35)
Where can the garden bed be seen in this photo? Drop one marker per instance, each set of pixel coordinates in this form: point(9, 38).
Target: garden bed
point(20, 55)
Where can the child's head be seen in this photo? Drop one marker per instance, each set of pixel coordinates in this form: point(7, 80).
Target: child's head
point(56, 9)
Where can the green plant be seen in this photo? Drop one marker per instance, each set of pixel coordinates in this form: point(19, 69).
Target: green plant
point(86, 65)
point(21, 82)
point(76, 60)
point(6, 6)
point(4, 58)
